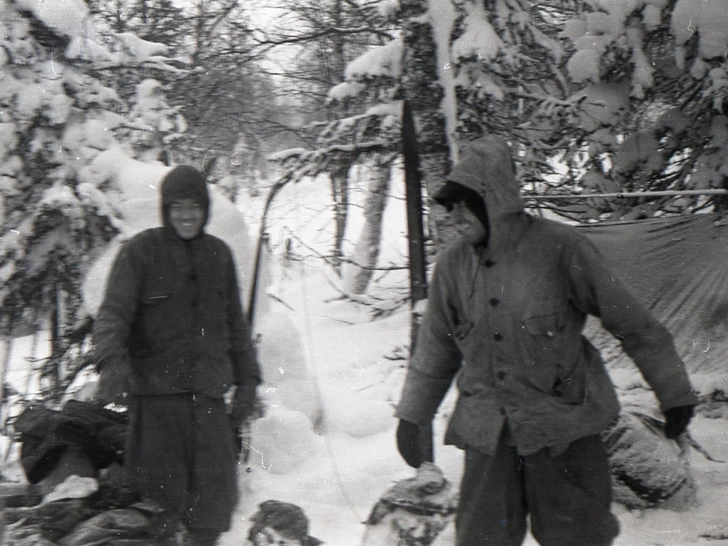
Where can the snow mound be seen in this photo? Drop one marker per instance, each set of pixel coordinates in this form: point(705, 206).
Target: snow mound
point(283, 440)
point(356, 415)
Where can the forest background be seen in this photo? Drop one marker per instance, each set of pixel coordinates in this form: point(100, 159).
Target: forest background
point(620, 103)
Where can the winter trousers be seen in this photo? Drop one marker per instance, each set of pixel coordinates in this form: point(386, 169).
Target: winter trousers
point(181, 454)
point(567, 497)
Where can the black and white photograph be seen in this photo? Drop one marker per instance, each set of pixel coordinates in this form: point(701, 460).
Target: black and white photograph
point(363, 272)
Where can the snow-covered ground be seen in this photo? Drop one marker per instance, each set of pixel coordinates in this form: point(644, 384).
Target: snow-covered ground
point(333, 374)
point(327, 443)
point(343, 365)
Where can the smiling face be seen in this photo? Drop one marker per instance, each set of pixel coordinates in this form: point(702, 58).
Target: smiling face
point(466, 223)
point(186, 216)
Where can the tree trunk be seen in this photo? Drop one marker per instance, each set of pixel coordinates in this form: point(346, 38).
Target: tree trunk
point(366, 252)
point(6, 346)
point(340, 195)
point(423, 89)
point(52, 372)
point(415, 224)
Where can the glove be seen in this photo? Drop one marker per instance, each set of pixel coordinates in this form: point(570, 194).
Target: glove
point(243, 404)
point(413, 443)
point(112, 384)
point(241, 407)
point(677, 420)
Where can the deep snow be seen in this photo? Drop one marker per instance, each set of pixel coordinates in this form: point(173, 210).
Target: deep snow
point(333, 375)
point(337, 476)
point(329, 354)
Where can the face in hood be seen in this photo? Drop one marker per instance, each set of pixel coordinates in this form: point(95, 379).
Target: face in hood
point(466, 208)
point(486, 167)
point(185, 188)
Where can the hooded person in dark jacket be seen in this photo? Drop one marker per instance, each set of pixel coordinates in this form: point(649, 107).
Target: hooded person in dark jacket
point(504, 321)
point(172, 335)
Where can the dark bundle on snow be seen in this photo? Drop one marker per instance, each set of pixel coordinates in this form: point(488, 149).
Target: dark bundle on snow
point(647, 469)
point(47, 434)
point(281, 519)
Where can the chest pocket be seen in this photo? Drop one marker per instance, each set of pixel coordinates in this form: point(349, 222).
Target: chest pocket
point(547, 325)
point(153, 314)
point(544, 341)
point(160, 286)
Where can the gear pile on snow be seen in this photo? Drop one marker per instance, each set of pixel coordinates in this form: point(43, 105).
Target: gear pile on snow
point(413, 511)
point(59, 508)
point(647, 468)
point(95, 433)
point(79, 512)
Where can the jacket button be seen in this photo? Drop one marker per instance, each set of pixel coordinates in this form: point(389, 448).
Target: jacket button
point(501, 375)
point(494, 302)
point(498, 337)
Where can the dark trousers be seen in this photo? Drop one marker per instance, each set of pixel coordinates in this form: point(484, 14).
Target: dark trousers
point(567, 497)
point(203, 537)
point(181, 454)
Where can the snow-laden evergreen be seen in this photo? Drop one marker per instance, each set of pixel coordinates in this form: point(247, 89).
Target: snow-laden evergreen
point(79, 174)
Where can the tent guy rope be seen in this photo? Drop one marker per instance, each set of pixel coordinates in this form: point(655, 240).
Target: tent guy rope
point(619, 195)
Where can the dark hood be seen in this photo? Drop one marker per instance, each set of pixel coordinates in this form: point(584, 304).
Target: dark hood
point(184, 182)
point(486, 166)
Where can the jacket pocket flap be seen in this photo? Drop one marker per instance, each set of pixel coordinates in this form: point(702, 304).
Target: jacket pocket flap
point(155, 298)
point(545, 325)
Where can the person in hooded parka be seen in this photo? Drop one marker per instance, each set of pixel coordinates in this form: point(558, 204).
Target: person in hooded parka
point(504, 320)
point(172, 334)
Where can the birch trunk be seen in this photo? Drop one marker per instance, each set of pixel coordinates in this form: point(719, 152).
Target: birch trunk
point(358, 273)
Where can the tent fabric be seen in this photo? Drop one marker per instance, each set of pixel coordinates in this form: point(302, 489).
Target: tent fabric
point(678, 266)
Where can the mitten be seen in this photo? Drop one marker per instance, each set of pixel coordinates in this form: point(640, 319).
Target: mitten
point(411, 443)
point(113, 383)
point(243, 403)
point(677, 420)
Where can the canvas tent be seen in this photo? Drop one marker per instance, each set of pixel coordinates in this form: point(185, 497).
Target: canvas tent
point(679, 267)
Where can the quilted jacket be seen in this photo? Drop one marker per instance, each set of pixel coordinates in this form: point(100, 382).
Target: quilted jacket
point(172, 317)
point(505, 321)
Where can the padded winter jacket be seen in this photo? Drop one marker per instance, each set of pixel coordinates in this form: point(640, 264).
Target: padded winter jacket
point(506, 319)
point(172, 317)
